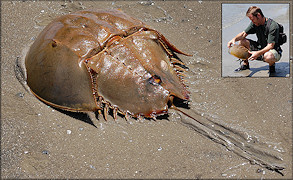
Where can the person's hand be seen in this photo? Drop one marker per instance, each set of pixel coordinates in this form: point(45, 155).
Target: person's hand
point(254, 55)
point(231, 42)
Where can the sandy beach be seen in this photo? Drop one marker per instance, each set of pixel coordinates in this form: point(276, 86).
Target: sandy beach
point(40, 142)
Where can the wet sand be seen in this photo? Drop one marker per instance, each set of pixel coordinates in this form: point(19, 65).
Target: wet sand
point(40, 142)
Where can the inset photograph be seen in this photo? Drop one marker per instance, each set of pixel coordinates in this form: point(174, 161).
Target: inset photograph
point(255, 40)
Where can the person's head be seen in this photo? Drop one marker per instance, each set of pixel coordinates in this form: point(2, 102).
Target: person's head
point(255, 14)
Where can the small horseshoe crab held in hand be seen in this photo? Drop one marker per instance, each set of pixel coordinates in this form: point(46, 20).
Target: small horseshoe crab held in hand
point(101, 59)
point(239, 51)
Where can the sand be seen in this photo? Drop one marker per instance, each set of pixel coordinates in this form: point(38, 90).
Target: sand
point(38, 141)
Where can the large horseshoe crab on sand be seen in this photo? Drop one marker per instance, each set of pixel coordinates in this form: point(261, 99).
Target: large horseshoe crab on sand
point(104, 59)
point(92, 60)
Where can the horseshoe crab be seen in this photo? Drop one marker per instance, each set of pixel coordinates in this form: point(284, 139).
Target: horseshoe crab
point(239, 51)
point(94, 60)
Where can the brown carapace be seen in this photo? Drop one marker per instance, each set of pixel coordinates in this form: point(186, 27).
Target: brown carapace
point(239, 51)
point(100, 59)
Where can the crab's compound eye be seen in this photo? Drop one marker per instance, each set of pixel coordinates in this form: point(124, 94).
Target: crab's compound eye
point(155, 80)
point(54, 43)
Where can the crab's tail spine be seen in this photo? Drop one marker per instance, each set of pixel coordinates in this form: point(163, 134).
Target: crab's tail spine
point(234, 140)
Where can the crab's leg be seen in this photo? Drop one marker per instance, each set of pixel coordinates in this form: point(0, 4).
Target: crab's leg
point(115, 111)
point(106, 109)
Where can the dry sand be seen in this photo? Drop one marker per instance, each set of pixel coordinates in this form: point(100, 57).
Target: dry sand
point(40, 142)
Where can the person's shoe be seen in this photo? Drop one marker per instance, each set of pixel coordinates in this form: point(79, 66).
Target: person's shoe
point(241, 68)
point(272, 70)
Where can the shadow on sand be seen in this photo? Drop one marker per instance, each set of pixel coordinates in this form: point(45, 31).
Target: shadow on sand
point(282, 70)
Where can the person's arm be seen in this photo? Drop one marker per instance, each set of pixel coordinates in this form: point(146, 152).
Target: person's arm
point(255, 54)
point(238, 37)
